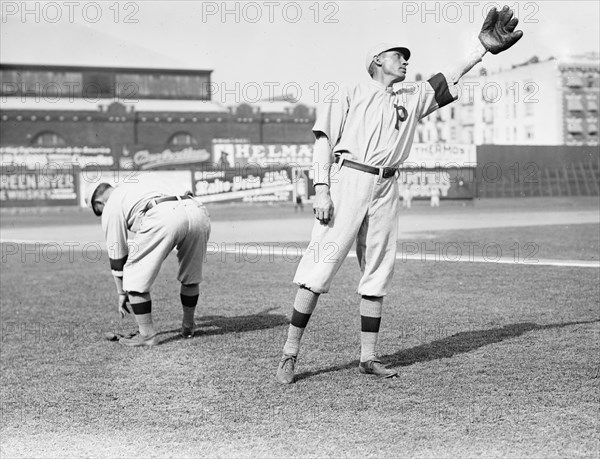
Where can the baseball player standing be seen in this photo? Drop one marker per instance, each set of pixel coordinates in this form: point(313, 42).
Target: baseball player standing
point(159, 222)
point(361, 140)
point(435, 197)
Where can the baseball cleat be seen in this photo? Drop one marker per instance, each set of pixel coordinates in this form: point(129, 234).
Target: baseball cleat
point(115, 336)
point(374, 367)
point(285, 371)
point(187, 332)
point(139, 340)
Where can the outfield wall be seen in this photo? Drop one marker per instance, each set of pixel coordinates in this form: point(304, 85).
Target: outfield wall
point(495, 171)
point(543, 156)
point(529, 171)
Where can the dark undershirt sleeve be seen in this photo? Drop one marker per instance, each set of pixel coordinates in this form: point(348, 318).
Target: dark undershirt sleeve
point(441, 92)
point(116, 266)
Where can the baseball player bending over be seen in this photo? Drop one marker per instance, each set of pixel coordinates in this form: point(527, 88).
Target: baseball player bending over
point(361, 140)
point(159, 223)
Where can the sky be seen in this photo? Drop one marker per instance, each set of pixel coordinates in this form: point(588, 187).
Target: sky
point(259, 49)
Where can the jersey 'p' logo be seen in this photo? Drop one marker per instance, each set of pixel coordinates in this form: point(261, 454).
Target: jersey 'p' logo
point(401, 115)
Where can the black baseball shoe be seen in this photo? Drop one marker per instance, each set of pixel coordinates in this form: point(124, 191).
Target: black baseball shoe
point(374, 367)
point(285, 371)
point(139, 340)
point(187, 332)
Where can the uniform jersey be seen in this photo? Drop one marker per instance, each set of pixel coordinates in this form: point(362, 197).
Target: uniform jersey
point(181, 224)
point(375, 124)
point(123, 212)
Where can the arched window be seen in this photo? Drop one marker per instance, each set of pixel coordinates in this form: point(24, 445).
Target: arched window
point(48, 139)
point(180, 139)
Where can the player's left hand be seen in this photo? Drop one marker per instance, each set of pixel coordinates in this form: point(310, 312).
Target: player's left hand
point(123, 305)
point(498, 31)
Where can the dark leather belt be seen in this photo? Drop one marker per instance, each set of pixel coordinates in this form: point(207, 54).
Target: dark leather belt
point(156, 201)
point(386, 172)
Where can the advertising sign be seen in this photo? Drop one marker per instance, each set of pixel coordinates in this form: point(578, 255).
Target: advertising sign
point(441, 155)
point(145, 158)
point(34, 157)
point(451, 183)
point(250, 184)
point(264, 155)
point(49, 187)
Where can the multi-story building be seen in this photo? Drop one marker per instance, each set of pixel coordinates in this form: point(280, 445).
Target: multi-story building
point(551, 102)
point(110, 114)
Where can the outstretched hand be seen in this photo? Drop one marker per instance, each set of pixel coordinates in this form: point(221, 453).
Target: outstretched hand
point(498, 31)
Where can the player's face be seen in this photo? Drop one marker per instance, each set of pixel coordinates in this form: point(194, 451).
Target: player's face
point(394, 63)
point(98, 207)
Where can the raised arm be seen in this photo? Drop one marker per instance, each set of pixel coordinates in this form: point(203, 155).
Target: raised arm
point(497, 35)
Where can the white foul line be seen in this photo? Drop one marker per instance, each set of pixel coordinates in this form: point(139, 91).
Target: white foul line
point(292, 252)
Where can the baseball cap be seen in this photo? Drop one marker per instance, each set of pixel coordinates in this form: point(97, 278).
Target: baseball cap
point(90, 195)
point(89, 192)
point(382, 47)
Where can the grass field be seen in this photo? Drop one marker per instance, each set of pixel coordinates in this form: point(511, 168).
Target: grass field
point(494, 360)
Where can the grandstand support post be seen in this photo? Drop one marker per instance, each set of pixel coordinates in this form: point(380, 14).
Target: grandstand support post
point(594, 178)
point(585, 178)
point(549, 181)
point(566, 172)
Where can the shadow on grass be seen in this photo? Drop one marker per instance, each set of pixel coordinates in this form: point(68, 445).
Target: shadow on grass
point(221, 325)
point(459, 343)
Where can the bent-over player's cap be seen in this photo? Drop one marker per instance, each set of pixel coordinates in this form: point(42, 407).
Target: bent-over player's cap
point(89, 192)
point(89, 195)
point(383, 47)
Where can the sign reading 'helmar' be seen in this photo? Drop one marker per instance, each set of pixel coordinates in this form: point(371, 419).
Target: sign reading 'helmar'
point(264, 155)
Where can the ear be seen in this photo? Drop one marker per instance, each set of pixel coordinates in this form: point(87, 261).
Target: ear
point(377, 59)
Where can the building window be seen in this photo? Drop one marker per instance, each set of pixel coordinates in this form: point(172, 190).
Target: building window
point(590, 81)
point(574, 126)
point(574, 81)
point(180, 139)
point(48, 139)
point(451, 113)
point(574, 104)
point(98, 84)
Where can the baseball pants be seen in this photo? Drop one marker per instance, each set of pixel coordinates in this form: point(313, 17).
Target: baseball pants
point(366, 212)
point(182, 224)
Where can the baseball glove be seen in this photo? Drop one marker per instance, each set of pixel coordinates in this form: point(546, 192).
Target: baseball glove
point(498, 31)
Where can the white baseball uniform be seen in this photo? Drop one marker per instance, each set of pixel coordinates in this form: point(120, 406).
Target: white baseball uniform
point(373, 125)
point(183, 224)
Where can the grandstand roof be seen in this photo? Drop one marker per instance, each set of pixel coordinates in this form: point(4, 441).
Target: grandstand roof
point(141, 105)
point(56, 45)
